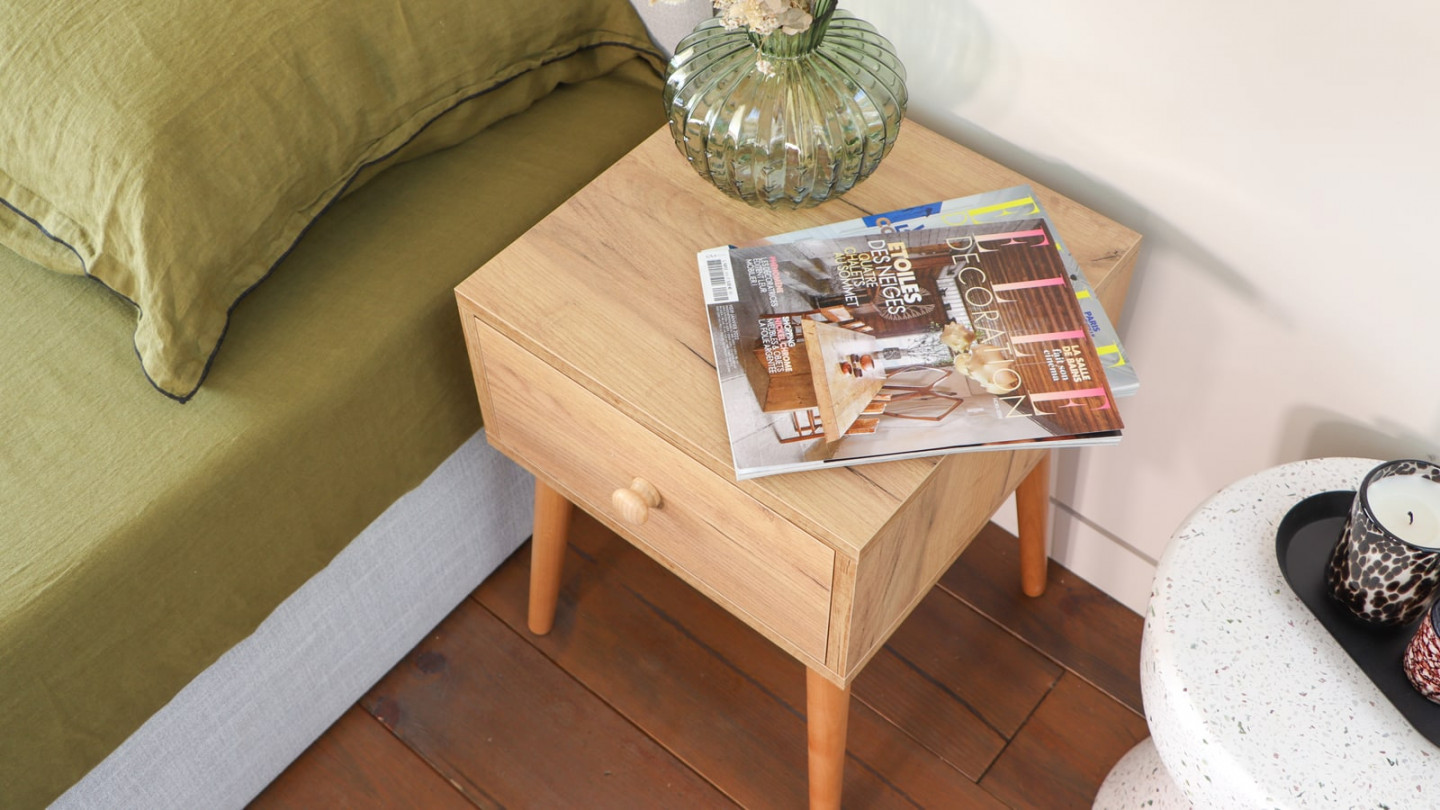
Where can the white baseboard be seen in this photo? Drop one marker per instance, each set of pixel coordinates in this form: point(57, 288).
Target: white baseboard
point(1092, 554)
point(1100, 559)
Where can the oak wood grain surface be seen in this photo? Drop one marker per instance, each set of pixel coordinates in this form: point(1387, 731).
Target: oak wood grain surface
point(603, 296)
point(740, 553)
point(584, 270)
point(592, 361)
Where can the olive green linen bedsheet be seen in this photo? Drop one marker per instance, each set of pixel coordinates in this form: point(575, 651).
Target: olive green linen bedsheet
point(141, 538)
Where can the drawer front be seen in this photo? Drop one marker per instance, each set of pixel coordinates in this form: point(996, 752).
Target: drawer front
point(742, 555)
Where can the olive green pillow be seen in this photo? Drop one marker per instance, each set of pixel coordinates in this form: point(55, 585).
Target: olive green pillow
point(175, 150)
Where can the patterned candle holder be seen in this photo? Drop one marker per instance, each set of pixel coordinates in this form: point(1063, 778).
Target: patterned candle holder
point(1386, 567)
point(1422, 656)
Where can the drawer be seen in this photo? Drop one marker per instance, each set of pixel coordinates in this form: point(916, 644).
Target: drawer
point(739, 553)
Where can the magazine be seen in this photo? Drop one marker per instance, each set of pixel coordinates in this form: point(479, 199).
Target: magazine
point(848, 349)
point(1016, 202)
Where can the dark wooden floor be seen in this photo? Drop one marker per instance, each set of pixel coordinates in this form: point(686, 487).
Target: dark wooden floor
point(646, 695)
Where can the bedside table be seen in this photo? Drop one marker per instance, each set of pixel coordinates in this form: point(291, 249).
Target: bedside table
point(592, 359)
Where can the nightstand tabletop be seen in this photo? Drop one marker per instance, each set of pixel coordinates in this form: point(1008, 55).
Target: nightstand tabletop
point(606, 292)
point(606, 289)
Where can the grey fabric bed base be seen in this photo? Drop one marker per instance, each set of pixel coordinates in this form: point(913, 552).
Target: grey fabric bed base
point(234, 728)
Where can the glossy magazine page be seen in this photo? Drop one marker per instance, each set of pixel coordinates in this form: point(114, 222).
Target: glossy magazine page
point(902, 343)
point(1014, 203)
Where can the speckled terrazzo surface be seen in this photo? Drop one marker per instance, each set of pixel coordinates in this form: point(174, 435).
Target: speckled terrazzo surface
point(1250, 702)
point(1139, 780)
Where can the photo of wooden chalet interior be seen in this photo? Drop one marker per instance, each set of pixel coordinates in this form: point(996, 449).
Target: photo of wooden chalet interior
point(1021, 365)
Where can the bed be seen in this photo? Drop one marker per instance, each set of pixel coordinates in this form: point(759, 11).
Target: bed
point(191, 591)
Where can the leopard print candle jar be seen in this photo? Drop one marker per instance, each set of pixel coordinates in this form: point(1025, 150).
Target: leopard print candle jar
point(1386, 567)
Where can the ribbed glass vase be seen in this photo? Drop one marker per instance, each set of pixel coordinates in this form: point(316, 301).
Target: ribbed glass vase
point(786, 121)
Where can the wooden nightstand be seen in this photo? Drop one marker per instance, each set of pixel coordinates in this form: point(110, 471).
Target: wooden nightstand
point(593, 363)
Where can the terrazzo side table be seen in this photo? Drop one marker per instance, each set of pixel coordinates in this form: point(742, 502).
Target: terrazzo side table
point(1251, 703)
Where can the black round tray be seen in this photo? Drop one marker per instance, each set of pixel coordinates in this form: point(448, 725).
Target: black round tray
point(1303, 544)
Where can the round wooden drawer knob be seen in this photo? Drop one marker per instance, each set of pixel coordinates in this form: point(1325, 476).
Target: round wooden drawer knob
point(634, 504)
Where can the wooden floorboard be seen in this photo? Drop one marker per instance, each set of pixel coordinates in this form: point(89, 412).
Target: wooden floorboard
point(924, 710)
point(492, 715)
point(1073, 623)
point(1063, 753)
point(358, 763)
point(647, 695)
point(975, 660)
point(722, 698)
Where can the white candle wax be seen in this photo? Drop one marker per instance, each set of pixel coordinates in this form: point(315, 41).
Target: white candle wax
point(1408, 506)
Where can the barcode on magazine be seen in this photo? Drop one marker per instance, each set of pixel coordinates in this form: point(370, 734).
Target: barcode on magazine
point(718, 276)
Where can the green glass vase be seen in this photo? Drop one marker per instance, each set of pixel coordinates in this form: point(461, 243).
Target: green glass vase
point(781, 120)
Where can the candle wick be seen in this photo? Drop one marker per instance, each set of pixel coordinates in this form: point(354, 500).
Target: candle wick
point(1412, 518)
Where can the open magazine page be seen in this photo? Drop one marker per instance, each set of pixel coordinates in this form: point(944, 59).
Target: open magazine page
point(918, 342)
point(1015, 203)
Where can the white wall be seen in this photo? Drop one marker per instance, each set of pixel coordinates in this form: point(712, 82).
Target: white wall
point(668, 21)
point(1280, 160)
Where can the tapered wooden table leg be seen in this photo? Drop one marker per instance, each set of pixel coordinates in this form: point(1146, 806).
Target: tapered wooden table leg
point(1032, 505)
point(827, 709)
point(547, 555)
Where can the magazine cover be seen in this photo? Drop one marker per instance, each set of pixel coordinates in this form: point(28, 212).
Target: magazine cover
point(1016, 202)
point(895, 344)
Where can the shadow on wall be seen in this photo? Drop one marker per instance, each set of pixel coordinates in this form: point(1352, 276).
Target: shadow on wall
point(1312, 432)
point(1159, 233)
point(972, 56)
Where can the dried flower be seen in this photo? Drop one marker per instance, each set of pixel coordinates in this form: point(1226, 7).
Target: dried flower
point(762, 16)
point(957, 337)
point(983, 365)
